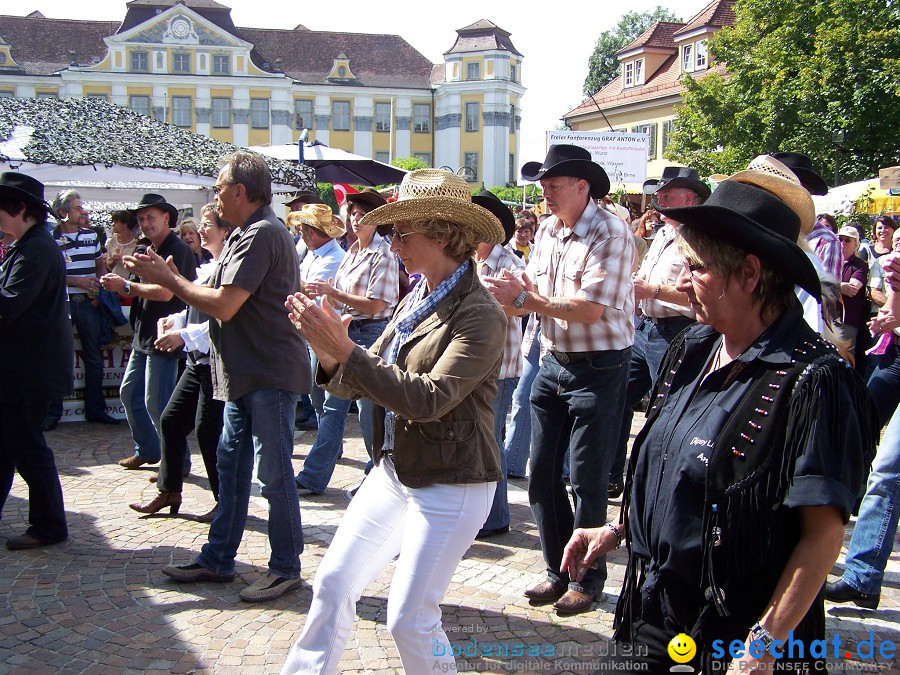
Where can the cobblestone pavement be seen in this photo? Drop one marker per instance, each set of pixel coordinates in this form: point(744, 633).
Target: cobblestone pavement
point(100, 604)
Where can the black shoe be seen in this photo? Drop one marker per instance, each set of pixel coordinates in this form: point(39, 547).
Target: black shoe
point(486, 533)
point(614, 490)
point(309, 424)
point(103, 419)
point(50, 423)
point(841, 591)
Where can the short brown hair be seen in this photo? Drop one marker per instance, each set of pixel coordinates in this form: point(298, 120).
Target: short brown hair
point(460, 241)
point(250, 170)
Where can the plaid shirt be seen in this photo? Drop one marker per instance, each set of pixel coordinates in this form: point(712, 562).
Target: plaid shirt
point(502, 259)
point(591, 261)
point(827, 248)
point(372, 273)
point(662, 265)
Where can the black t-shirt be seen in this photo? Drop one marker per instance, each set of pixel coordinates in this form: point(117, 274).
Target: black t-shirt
point(669, 485)
point(146, 313)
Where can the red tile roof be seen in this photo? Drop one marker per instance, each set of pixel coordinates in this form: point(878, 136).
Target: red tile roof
point(658, 35)
point(717, 13)
point(41, 46)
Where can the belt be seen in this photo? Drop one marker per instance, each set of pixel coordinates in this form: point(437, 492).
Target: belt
point(572, 357)
point(665, 320)
point(78, 297)
point(359, 323)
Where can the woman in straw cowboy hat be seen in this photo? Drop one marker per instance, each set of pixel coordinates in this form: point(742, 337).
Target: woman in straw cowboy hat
point(753, 453)
point(432, 376)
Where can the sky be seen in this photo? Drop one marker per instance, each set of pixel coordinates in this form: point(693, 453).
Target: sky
point(556, 45)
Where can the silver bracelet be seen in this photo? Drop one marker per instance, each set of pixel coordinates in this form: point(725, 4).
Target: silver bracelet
point(617, 532)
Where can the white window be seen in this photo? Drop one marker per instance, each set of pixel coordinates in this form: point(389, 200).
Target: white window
point(181, 63)
point(382, 117)
point(259, 113)
point(221, 64)
point(221, 113)
point(472, 114)
point(422, 119)
point(140, 104)
point(473, 71)
point(340, 116)
point(423, 156)
point(303, 114)
point(629, 74)
point(471, 163)
point(140, 61)
point(512, 73)
point(383, 157)
point(181, 111)
point(512, 119)
point(639, 71)
point(701, 55)
point(97, 97)
point(667, 129)
point(650, 130)
point(687, 58)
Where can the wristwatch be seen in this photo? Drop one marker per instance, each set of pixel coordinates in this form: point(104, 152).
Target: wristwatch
point(127, 287)
point(519, 302)
point(761, 634)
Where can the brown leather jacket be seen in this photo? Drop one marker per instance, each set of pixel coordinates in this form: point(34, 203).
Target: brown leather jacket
point(440, 389)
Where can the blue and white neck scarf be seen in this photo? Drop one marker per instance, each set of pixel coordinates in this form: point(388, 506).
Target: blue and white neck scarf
point(421, 305)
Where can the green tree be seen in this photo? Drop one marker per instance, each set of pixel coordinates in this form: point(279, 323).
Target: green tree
point(603, 65)
point(409, 163)
point(797, 72)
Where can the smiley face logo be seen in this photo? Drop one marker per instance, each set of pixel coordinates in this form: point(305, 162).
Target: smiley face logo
point(682, 648)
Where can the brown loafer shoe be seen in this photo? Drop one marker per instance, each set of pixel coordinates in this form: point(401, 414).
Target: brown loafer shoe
point(133, 462)
point(545, 592)
point(573, 602)
point(23, 542)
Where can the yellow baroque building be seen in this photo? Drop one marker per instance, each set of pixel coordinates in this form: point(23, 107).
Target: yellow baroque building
point(643, 97)
point(184, 62)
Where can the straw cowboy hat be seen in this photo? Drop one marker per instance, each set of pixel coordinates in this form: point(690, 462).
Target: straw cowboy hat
point(433, 193)
point(318, 216)
point(678, 176)
point(569, 160)
point(489, 200)
point(159, 202)
point(756, 221)
point(768, 173)
point(801, 165)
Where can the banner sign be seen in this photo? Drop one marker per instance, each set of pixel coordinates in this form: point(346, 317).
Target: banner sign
point(623, 156)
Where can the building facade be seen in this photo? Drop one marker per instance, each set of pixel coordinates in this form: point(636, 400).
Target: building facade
point(184, 62)
point(642, 98)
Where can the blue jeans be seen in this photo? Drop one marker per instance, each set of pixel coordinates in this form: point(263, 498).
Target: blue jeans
point(325, 452)
point(147, 385)
point(499, 515)
point(24, 450)
point(876, 526)
point(518, 440)
point(577, 407)
point(651, 341)
point(259, 423)
point(884, 383)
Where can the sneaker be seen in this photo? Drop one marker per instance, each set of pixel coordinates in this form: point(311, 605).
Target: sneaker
point(268, 587)
point(194, 572)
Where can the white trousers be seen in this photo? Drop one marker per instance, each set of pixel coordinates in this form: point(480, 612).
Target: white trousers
point(430, 528)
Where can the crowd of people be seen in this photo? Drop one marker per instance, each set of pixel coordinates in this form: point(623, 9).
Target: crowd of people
point(481, 346)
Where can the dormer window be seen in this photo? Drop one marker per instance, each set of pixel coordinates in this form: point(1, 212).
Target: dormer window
point(629, 74)
point(634, 72)
point(687, 58)
point(701, 60)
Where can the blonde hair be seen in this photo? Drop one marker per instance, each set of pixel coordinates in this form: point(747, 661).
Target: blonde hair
point(460, 240)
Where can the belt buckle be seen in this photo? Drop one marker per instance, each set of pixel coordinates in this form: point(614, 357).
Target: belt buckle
point(562, 357)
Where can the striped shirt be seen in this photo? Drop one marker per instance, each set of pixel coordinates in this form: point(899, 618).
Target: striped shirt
point(592, 261)
point(661, 266)
point(501, 258)
point(372, 273)
point(81, 250)
point(826, 246)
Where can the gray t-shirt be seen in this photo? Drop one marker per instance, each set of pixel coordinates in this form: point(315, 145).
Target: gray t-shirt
point(259, 348)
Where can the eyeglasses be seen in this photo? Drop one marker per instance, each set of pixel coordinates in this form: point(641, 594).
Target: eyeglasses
point(845, 240)
point(217, 189)
point(690, 267)
point(401, 236)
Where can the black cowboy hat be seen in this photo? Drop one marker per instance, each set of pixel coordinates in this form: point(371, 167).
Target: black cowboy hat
point(368, 196)
point(19, 186)
point(569, 160)
point(801, 165)
point(678, 176)
point(304, 197)
point(488, 200)
point(755, 221)
point(158, 201)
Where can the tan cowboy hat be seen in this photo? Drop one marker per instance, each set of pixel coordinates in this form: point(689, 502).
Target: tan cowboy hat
point(769, 174)
point(433, 193)
point(318, 216)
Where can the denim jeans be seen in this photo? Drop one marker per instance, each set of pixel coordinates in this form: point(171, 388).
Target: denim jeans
point(876, 526)
point(147, 385)
point(884, 383)
point(259, 423)
point(499, 515)
point(577, 407)
point(651, 341)
point(24, 450)
point(518, 439)
point(325, 452)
